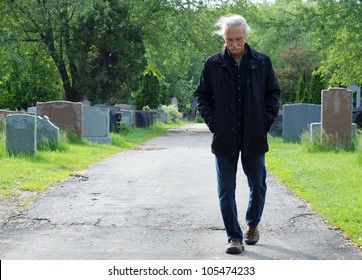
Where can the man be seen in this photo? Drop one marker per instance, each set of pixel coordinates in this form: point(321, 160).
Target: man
point(238, 98)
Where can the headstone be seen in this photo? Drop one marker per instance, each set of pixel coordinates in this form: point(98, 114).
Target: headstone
point(113, 110)
point(31, 110)
point(125, 107)
point(86, 103)
point(297, 118)
point(141, 119)
point(357, 90)
point(21, 133)
point(46, 132)
point(96, 124)
point(336, 116)
point(126, 117)
point(316, 131)
point(4, 113)
point(174, 102)
point(155, 116)
point(64, 114)
point(163, 117)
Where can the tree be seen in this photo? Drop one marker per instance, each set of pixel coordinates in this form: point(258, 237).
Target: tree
point(178, 38)
point(338, 35)
point(317, 84)
point(24, 84)
point(302, 89)
point(48, 23)
point(95, 48)
point(108, 51)
point(294, 62)
point(149, 93)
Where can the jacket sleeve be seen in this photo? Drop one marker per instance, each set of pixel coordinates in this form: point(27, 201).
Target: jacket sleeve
point(272, 95)
point(205, 98)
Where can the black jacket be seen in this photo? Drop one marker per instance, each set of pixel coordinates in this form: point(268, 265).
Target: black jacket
point(216, 101)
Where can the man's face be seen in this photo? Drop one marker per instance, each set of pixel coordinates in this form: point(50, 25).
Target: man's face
point(235, 40)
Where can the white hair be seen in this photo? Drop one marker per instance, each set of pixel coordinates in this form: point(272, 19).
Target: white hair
point(231, 20)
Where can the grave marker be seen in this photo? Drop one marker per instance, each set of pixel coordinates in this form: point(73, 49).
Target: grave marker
point(297, 118)
point(64, 114)
point(336, 118)
point(21, 133)
point(96, 124)
point(46, 132)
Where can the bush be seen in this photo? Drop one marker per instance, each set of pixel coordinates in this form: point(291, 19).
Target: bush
point(172, 112)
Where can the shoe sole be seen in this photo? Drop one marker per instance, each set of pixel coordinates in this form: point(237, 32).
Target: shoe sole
point(234, 250)
point(251, 242)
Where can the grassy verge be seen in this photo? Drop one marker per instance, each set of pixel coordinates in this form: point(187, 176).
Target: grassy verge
point(36, 173)
point(330, 181)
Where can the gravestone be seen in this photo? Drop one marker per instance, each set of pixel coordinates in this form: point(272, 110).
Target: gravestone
point(96, 124)
point(141, 119)
point(155, 117)
point(336, 116)
point(113, 110)
point(46, 132)
point(162, 115)
point(64, 114)
point(125, 107)
point(297, 118)
point(316, 131)
point(357, 90)
point(4, 113)
point(174, 102)
point(21, 133)
point(31, 110)
point(126, 117)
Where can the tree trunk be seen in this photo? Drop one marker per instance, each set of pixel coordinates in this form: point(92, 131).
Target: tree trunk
point(71, 93)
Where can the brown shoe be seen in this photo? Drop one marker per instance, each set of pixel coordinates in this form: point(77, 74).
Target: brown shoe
point(235, 247)
point(252, 235)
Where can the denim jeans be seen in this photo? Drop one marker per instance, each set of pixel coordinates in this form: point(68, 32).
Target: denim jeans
point(254, 169)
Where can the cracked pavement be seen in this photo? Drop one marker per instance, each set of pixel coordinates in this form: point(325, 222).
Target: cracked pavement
point(159, 201)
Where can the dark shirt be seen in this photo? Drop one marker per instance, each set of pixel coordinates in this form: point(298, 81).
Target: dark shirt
point(239, 70)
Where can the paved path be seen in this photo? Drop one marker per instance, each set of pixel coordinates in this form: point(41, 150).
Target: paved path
point(159, 201)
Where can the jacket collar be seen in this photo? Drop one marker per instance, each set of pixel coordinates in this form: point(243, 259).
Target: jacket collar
point(222, 56)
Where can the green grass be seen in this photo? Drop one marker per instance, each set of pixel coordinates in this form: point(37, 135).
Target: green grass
point(329, 180)
point(48, 166)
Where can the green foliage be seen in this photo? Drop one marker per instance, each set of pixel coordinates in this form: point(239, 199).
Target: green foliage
point(124, 129)
point(173, 114)
point(317, 84)
point(107, 48)
point(149, 92)
point(99, 48)
point(184, 90)
point(302, 88)
point(337, 29)
point(23, 83)
point(294, 61)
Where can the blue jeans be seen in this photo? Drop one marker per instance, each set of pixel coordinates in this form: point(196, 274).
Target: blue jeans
point(254, 169)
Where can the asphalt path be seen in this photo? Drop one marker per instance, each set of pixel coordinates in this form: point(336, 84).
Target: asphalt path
point(159, 202)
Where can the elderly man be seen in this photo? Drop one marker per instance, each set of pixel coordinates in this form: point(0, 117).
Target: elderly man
point(238, 98)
